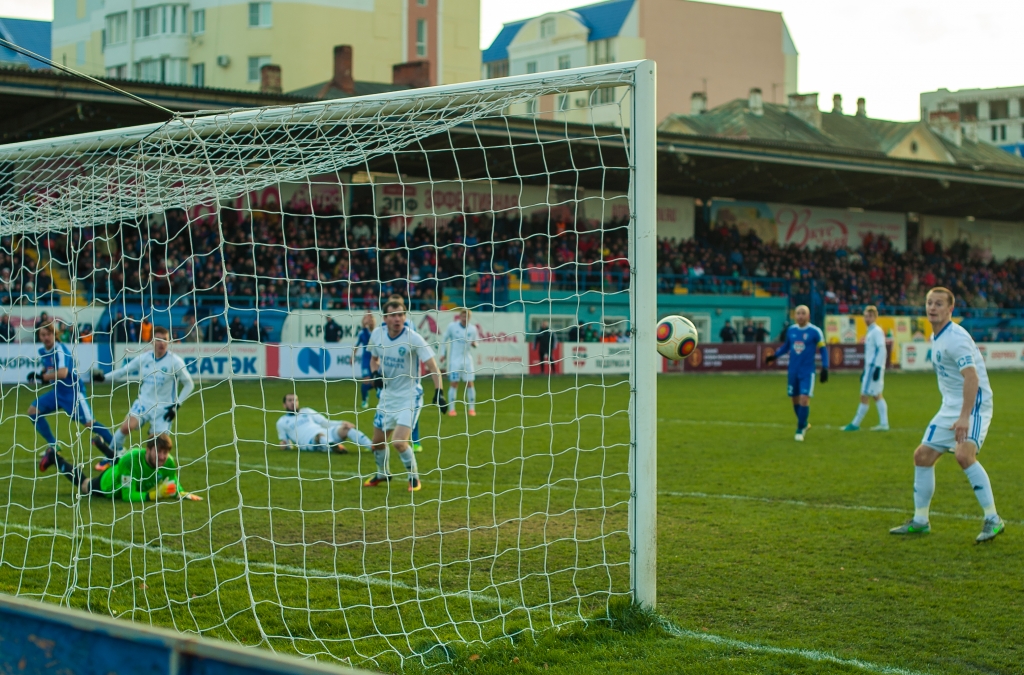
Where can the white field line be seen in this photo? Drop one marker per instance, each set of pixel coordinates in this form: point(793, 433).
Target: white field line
point(809, 654)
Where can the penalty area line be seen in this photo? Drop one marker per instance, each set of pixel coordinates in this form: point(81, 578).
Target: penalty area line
point(809, 654)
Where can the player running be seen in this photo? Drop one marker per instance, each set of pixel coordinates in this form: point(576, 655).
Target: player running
point(363, 339)
point(159, 399)
point(458, 339)
point(139, 475)
point(802, 340)
point(962, 422)
point(872, 381)
point(68, 393)
point(397, 354)
point(307, 430)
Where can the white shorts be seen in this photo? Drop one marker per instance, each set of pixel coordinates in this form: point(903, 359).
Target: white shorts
point(151, 413)
point(462, 376)
point(869, 387)
point(939, 436)
point(322, 440)
point(395, 413)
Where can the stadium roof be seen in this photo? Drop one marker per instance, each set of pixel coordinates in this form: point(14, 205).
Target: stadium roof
point(32, 35)
point(604, 20)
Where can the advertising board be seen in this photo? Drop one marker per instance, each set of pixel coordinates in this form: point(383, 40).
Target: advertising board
point(18, 359)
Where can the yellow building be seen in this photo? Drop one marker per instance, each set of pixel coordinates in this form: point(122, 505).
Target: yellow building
point(224, 43)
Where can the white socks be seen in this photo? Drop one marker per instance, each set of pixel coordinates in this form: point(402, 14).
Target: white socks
point(862, 410)
point(982, 488)
point(409, 460)
point(381, 457)
point(471, 397)
point(118, 440)
point(358, 437)
point(453, 395)
point(924, 488)
point(883, 412)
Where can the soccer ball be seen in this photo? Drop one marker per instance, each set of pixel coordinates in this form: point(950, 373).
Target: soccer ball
point(677, 337)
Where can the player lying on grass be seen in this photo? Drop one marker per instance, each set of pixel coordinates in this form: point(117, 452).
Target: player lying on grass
point(872, 380)
point(68, 393)
point(159, 398)
point(802, 341)
point(397, 354)
point(962, 422)
point(458, 340)
point(141, 474)
point(307, 430)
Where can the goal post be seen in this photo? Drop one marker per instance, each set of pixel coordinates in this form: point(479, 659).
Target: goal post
point(530, 201)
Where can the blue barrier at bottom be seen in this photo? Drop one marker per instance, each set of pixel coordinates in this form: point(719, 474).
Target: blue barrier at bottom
point(40, 638)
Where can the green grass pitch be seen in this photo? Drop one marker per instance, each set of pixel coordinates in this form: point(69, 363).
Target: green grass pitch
point(774, 556)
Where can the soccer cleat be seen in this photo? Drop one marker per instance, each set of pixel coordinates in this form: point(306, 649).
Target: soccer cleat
point(471, 413)
point(366, 404)
point(376, 480)
point(417, 447)
point(452, 413)
point(912, 527)
point(47, 459)
point(102, 446)
point(415, 485)
point(798, 437)
point(103, 464)
point(339, 449)
point(880, 427)
point(992, 528)
point(850, 427)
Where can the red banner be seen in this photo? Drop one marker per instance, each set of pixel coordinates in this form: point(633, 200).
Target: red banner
point(749, 357)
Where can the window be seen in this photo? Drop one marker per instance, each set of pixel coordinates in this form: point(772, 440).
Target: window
point(563, 102)
point(198, 74)
point(160, 20)
point(1002, 132)
point(998, 110)
point(531, 67)
point(497, 69)
point(148, 71)
point(995, 133)
point(968, 111)
point(117, 72)
point(117, 28)
point(547, 28)
point(564, 62)
point(602, 52)
point(199, 22)
point(259, 15)
point(604, 95)
point(255, 63)
point(168, 70)
point(421, 37)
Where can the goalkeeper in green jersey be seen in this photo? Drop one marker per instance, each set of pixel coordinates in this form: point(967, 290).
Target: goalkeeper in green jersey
point(141, 474)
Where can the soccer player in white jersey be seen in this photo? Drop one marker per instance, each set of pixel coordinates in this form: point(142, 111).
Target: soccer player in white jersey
point(459, 338)
point(307, 430)
point(397, 353)
point(873, 380)
point(161, 373)
point(962, 422)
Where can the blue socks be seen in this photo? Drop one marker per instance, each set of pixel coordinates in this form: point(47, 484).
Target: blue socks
point(103, 432)
point(802, 413)
point(43, 427)
point(416, 433)
point(364, 390)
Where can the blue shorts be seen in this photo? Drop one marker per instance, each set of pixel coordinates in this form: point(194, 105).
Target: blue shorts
point(800, 384)
point(73, 403)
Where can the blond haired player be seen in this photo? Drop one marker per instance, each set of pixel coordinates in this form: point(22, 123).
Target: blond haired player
point(459, 338)
point(962, 422)
point(872, 381)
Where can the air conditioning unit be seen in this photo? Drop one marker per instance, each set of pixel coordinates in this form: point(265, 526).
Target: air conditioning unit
point(223, 60)
point(581, 102)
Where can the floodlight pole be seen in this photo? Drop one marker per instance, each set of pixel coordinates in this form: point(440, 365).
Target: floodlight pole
point(646, 360)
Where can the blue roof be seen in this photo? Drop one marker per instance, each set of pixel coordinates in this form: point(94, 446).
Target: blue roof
point(604, 20)
point(32, 35)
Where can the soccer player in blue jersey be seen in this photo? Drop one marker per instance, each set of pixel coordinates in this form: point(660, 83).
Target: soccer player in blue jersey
point(366, 384)
point(68, 394)
point(802, 341)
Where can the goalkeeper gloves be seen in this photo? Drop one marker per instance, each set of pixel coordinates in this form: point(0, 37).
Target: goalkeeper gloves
point(36, 377)
point(99, 376)
point(440, 401)
point(824, 375)
point(164, 490)
point(172, 412)
point(377, 380)
point(769, 358)
point(876, 374)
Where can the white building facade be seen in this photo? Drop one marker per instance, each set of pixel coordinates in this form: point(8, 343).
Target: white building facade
point(995, 116)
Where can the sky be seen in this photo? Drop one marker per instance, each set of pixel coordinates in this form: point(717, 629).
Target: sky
point(888, 51)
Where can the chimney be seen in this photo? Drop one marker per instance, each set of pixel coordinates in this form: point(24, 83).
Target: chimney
point(837, 103)
point(862, 110)
point(270, 79)
point(342, 72)
point(413, 74)
point(946, 123)
point(756, 102)
point(805, 107)
point(698, 103)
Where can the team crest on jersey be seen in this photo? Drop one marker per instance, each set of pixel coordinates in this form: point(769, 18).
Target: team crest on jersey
point(798, 347)
point(938, 357)
point(402, 351)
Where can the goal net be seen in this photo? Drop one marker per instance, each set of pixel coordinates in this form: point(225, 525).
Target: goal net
point(264, 239)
